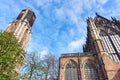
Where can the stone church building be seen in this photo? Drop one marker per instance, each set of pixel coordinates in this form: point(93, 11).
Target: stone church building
point(100, 59)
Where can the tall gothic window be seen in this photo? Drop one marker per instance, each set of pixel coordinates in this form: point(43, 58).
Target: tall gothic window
point(91, 72)
point(111, 43)
point(71, 71)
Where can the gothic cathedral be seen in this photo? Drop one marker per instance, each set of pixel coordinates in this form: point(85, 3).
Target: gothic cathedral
point(100, 59)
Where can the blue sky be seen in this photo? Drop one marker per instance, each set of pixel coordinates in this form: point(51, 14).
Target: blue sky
point(60, 26)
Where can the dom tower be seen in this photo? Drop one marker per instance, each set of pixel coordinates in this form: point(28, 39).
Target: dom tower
point(22, 26)
point(22, 29)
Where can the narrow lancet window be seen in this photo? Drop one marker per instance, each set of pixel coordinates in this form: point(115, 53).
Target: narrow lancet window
point(91, 72)
point(71, 71)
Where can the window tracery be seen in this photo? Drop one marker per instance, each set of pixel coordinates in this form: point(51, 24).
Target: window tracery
point(111, 42)
point(71, 72)
point(91, 72)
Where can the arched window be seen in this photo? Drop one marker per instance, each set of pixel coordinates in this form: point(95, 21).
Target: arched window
point(91, 72)
point(71, 71)
point(111, 42)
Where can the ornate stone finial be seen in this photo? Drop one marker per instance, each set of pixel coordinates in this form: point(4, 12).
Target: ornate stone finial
point(96, 14)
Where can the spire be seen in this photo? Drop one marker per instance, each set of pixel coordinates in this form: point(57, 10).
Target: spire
point(96, 14)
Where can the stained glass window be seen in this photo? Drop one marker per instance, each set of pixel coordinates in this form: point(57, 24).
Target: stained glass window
point(111, 43)
point(71, 71)
point(91, 72)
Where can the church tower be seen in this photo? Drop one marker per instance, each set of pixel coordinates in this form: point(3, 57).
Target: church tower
point(22, 26)
point(22, 29)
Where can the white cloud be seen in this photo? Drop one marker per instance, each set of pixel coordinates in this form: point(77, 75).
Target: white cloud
point(74, 45)
point(60, 13)
point(72, 10)
point(43, 53)
point(32, 46)
point(102, 1)
point(41, 2)
point(72, 33)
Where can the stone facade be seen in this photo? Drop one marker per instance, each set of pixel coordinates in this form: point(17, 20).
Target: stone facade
point(100, 59)
point(22, 29)
point(22, 26)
